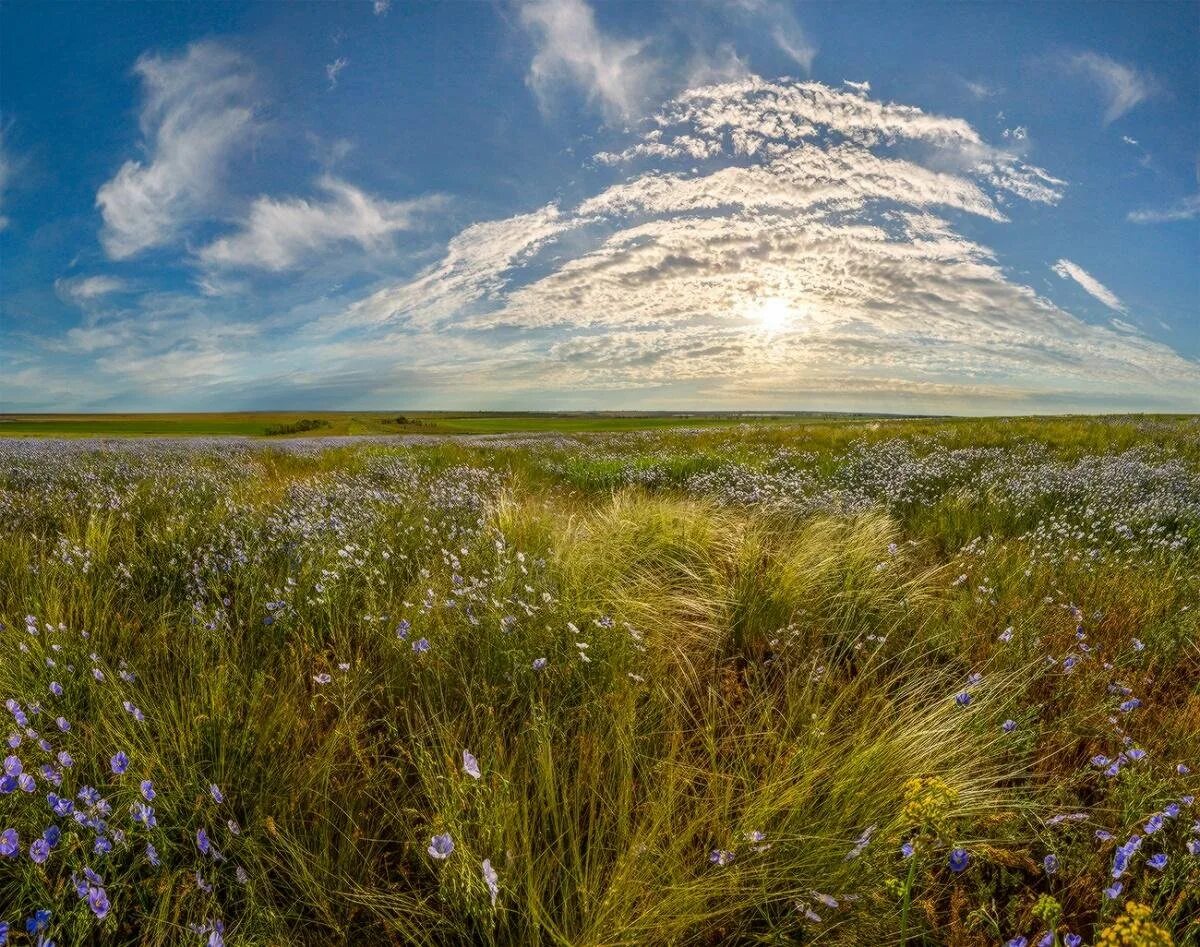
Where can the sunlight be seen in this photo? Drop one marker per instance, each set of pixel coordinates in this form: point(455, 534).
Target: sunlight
point(773, 314)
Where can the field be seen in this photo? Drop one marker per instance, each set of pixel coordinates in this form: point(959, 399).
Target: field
point(852, 682)
point(343, 423)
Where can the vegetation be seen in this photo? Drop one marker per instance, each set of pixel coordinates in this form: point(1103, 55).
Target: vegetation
point(303, 426)
point(863, 682)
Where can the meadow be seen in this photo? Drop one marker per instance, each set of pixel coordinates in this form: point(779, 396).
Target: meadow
point(849, 683)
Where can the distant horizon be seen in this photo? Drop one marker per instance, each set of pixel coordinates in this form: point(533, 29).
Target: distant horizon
point(980, 209)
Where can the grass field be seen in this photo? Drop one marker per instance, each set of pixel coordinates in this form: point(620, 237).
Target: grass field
point(849, 683)
point(335, 423)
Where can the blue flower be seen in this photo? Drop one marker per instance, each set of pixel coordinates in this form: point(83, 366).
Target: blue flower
point(1157, 862)
point(440, 846)
point(9, 843)
point(120, 763)
point(962, 699)
point(217, 796)
point(1113, 890)
point(959, 859)
point(98, 901)
point(52, 835)
point(491, 879)
point(56, 689)
point(39, 922)
point(1073, 940)
point(1017, 942)
point(1050, 864)
point(152, 854)
point(470, 764)
point(148, 792)
point(39, 851)
point(420, 646)
point(720, 857)
point(1008, 726)
point(539, 663)
point(907, 849)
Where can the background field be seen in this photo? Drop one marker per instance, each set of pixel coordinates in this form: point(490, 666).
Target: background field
point(256, 424)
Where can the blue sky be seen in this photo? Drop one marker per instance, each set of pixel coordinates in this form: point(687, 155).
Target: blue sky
point(971, 208)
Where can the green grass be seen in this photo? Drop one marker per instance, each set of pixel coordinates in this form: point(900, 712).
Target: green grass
point(253, 424)
point(717, 663)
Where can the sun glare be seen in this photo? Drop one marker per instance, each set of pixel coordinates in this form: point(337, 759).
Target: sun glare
point(773, 314)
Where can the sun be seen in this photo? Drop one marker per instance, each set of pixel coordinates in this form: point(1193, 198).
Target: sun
point(773, 314)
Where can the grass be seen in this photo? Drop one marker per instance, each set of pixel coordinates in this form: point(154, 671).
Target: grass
point(342, 423)
point(760, 630)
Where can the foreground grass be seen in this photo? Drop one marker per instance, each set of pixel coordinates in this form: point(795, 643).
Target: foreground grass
point(697, 716)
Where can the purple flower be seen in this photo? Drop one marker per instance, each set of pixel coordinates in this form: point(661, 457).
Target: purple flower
point(120, 763)
point(52, 834)
point(959, 859)
point(148, 792)
point(420, 646)
point(1135, 754)
point(539, 663)
point(491, 879)
point(1132, 704)
point(1157, 862)
point(1103, 835)
point(1050, 864)
point(440, 846)
point(1193, 846)
point(202, 842)
point(907, 849)
point(1113, 890)
point(39, 851)
point(152, 854)
point(9, 843)
point(56, 689)
point(102, 846)
point(720, 857)
point(1073, 940)
point(98, 901)
point(470, 764)
point(322, 678)
point(962, 699)
point(39, 922)
point(1008, 726)
point(1017, 942)
point(217, 796)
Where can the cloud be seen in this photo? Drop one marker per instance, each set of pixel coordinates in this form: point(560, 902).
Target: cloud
point(1123, 86)
point(334, 68)
point(749, 197)
point(613, 73)
point(280, 234)
point(863, 87)
point(197, 107)
point(1092, 286)
point(89, 288)
point(8, 170)
point(981, 90)
point(1186, 208)
point(381, 7)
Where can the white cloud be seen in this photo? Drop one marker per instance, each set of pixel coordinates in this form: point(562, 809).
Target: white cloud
point(333, 69)
point(197, 107)
point(1020, 133)
point(839, 210)
point(1123, 86)
point(1129, 141)
point(1186, 208)
point(7, 171)
point(279, 234)
point(863, 87)
point(1092, 286)
point(89, 288)
point(981, 90)
point(614, 73)
point(381, 7)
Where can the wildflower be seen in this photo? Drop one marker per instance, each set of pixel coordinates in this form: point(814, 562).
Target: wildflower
point(959, 859)
point(102, 846)
point(1006, 635)
point(56, 689)
point(9, 843)
point(120, 763)
point(1008, 726)
point(217, 796)
point(1193, 846)
point(1157, 862)
point(39, 922)
point(1137, 645)
point(1132, 704)
point(241, 876)
point(491, 879)
point(322, 678)
point(202, 842)
point(1103, 835)
point(39, 851)
point(420, 646)
point(1073, 940)
point(1182, 769)
point(861, 844)
point(98, 902)
point(1134, 928)
point(962, 699)
point(721, 857)
point(1050, 864)
point(52, 834)
point(539, 663)
point(1136, 754)
point(152, 855)
point(440, 846)
point(202, 884)
point(907, 849)
point(148, 792)
point(1017, 942)
point(403, 628)
point(470, 764)
point(1113, 890)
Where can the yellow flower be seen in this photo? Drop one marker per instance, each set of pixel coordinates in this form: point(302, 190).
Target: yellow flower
point(1134, 929)
point(928, 800)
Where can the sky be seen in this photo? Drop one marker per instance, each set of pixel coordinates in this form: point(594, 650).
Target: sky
point(966, 208)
